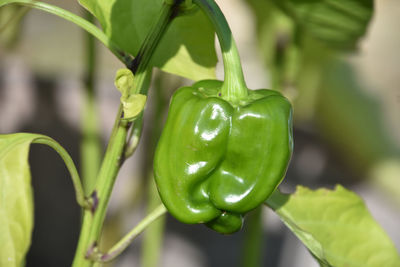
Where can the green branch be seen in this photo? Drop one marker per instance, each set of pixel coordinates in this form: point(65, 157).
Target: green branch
point(114, 157)
point(80, 195)
point(252, 248)
point(93, 220)
point(118, 248)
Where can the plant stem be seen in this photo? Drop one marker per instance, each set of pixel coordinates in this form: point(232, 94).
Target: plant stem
point(153, 236)
point(136, 131)
point(84, 24)
point(141, 71)
point(90, 145)
point(80, 196)
point(167, 14)
point(114, 156)
point(93, 220)
point(141, 62)
point(134, 136)
point(253, 237)
point(234, 87)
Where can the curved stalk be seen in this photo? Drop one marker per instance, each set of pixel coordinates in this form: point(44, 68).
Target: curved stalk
point(234, 87)
point(84, 24)
point(80, 195)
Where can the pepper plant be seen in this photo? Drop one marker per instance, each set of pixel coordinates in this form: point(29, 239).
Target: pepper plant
point(224, 148)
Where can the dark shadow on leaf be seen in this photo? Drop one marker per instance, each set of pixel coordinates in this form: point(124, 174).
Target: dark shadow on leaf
point(132, 20)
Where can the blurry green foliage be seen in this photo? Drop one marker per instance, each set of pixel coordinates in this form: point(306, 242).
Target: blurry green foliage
point(337, 23)
point(11, 24)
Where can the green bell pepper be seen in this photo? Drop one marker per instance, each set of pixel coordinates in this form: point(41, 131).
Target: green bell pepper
point(217, 160)
point(224, 149)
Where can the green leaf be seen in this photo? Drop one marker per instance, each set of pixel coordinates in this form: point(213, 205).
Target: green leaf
point(336, 227)
point(16, 201)
point(187, 49)
point(338, 23)
point(351, 120)
point(124, 82)
point(133, 105)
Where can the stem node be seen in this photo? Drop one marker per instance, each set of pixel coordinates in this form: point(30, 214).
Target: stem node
point(94, 201)
point(93, 252)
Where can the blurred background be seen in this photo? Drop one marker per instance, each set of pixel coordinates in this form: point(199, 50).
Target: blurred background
point(347, 127)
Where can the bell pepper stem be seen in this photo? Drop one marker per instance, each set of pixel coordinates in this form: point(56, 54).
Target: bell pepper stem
point(234, 88)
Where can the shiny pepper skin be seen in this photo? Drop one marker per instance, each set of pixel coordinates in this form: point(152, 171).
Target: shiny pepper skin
point(215, 161)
